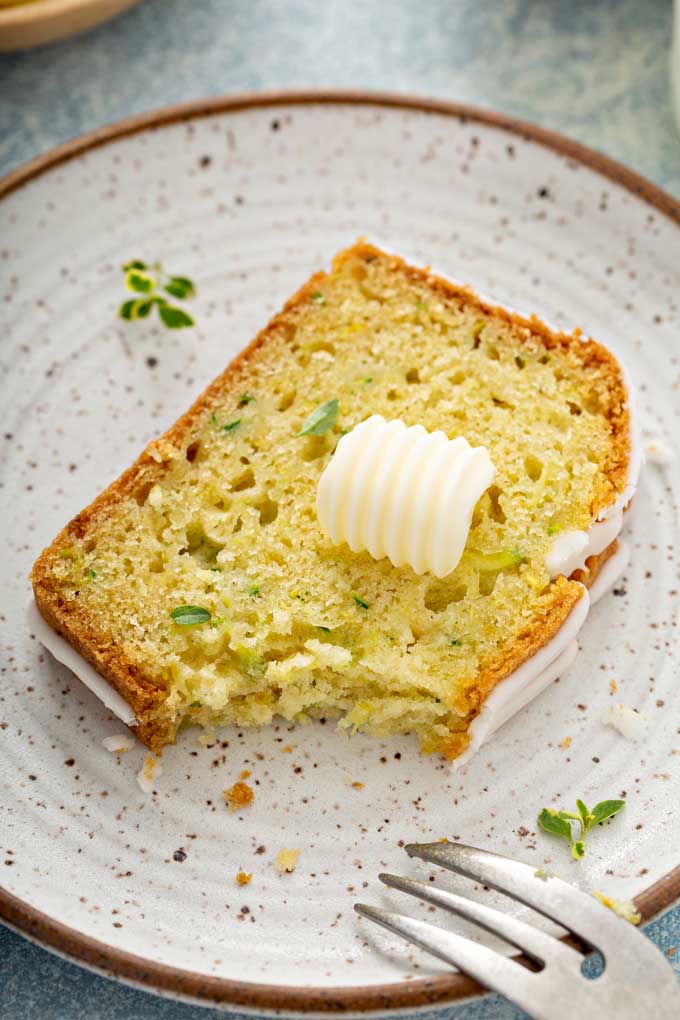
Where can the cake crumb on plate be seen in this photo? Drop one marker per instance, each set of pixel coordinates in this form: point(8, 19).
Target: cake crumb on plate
point(627, 721)
point(118, 743)
point(239, 795)
point(286, 860)
point(150, 770)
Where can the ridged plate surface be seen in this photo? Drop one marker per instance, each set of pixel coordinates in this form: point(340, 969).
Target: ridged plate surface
point(248, 203)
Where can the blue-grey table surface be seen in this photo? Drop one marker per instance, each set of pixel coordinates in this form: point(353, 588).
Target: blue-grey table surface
point(596, 71)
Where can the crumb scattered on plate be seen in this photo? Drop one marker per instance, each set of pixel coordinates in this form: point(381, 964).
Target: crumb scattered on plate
point(118, 743)
point(150, 771)
point(627, 721)
point(243, 878)
point(657, 451)
point(286, 860)
point(624, 908)
point(238, 796)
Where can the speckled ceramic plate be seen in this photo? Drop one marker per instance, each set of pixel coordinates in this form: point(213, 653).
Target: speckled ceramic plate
point(249, 196)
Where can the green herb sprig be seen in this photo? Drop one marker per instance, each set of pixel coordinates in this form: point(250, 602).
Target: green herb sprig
point(147, 281)
point(359, 602)
point(321, 420)
point(559, 823)
point(189, 616)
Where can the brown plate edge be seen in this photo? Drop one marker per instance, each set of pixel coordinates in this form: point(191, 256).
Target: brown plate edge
point(205, 989)
point(255, 997)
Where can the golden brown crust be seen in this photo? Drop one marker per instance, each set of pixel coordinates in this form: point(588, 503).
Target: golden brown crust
point(156, 727)
point(535, 638)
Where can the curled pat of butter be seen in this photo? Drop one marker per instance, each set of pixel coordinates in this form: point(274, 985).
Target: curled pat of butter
point(404, 493)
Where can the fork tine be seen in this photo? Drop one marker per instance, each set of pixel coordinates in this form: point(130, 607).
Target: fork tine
point(536, 944)
point(486, 966)
point(574, 910)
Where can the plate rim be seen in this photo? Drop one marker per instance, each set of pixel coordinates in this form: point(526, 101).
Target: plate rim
point(206, 989)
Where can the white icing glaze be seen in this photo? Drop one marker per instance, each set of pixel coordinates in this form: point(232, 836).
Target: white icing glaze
point(69, 657)
point(404, 493)
point(528, 680)
point(658, 451)
point(571, 549)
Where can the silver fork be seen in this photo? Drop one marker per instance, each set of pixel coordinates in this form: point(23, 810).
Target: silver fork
point(638, 983)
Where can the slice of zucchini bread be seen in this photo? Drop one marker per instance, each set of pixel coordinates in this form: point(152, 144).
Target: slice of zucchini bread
point(219, 515)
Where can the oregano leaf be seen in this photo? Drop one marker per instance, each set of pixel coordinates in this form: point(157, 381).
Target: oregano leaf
point(606, 809)
point(139, 281)
point(174, 317)
point(550, 821)
point(189, 616)
point(322, 419)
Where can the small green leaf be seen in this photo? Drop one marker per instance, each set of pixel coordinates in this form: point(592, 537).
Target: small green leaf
point(245, 399)
point(578, 849)
point(90, 574)
point(140, 309)
point(583, 811)
point(321, 420)
point(134, 264)
point(139, 281)
point(255, 590)
point(232, 426)
point(550, 821)
point(180, 287)
point(135, 309)
point(569, 816)
point(359, 601)
point(318, 298)
point(604, 810)
point(173, 317)
point(188, 616)
point(213, 419)
point(326, 630)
